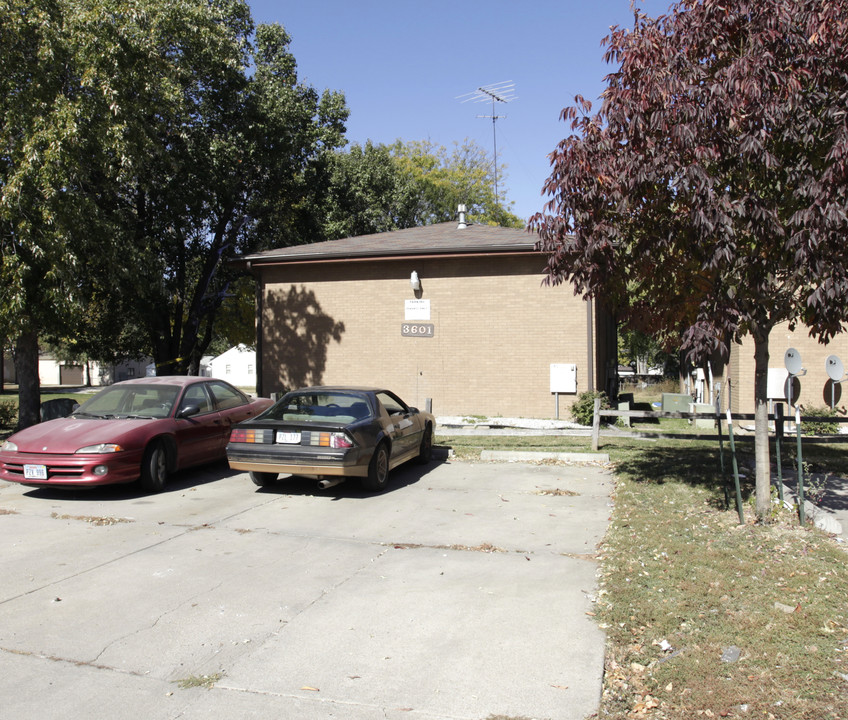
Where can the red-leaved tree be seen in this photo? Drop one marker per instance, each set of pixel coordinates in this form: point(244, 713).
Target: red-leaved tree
point(709, 194)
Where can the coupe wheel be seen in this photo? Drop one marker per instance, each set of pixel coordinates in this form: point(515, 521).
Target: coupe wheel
point(154, 468)
point(263, 479)
point(425, 450)
point(378, 469)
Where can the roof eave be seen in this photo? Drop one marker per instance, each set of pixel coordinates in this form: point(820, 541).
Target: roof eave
point(259, 260)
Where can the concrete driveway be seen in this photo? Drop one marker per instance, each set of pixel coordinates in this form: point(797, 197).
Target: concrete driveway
point(464, 591)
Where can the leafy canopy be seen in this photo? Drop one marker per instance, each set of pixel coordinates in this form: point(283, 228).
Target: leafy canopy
point(378, 188)
point(708, 197)
point(709, 190)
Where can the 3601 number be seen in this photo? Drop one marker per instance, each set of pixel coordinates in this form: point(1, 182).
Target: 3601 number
point(417, 330)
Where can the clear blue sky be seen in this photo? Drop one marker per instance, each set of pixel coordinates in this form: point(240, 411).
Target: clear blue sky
point(401, 65)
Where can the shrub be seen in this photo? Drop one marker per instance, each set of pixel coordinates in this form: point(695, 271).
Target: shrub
point(583, 410)
point(819, 427)
point(8, 414)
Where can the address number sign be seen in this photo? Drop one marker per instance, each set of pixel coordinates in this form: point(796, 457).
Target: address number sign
point(417, 330)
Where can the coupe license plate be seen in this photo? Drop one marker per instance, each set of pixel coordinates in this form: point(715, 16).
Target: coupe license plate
point(35, 472)
point(288, 438)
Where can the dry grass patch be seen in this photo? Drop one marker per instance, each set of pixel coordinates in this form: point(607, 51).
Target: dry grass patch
point(709, 618)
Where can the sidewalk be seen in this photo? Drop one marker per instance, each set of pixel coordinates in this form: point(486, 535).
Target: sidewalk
point(464, 591)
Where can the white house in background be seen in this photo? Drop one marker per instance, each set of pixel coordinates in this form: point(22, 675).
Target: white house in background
point(204, 365)
point(237, 366)
point(59, 372)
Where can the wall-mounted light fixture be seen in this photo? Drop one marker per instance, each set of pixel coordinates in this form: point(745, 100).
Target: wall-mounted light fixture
point(414, 281)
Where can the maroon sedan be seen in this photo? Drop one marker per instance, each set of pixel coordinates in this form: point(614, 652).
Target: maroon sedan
point(141, 429)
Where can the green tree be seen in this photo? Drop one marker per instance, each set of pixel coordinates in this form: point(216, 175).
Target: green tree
point(242, 175)
point(235, 323)
point(368, 192)
point(144, 144)
point(377, 188)
point(446, 179)
point(80, 82)
point(642, 350)
point(713, 180)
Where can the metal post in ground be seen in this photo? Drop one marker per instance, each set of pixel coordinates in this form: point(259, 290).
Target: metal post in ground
point(596, 425)
point(735, 469)
point(721, 456)
point(800, 461)
point(778, 438)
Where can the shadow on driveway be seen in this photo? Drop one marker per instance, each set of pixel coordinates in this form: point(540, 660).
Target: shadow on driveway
point(401, 477)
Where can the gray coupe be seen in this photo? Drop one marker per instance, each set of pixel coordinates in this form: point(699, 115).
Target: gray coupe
point(332, 433)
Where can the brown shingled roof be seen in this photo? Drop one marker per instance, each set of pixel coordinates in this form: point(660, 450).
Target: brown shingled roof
point(440, 239)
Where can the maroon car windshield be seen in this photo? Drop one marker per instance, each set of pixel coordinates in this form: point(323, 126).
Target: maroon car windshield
point(156, 401)
point(320, 407)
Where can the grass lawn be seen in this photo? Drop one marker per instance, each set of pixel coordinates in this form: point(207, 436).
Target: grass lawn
point(706, 617)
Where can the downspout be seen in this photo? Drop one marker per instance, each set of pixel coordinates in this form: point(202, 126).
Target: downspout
point(260, 386)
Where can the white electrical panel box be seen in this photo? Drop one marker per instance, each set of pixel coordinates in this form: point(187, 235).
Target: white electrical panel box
point(777, 383)
point(563, 378)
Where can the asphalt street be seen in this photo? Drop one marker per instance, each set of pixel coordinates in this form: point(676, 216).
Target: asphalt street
point(464, 591)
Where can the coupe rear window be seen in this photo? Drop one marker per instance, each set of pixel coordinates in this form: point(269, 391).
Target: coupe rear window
point(320, 408)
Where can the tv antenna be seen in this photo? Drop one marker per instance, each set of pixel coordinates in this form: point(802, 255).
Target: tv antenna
point(502, 92)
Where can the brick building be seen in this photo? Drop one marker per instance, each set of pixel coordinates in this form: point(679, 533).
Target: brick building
point(813, 388)
point(454, 314)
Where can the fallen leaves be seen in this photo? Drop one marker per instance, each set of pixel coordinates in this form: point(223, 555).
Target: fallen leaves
point(92, 519)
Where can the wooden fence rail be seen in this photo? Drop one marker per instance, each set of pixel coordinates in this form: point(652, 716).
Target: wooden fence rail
point(717, 417)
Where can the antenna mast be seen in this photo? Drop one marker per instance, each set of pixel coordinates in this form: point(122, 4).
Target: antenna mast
point(502, 92)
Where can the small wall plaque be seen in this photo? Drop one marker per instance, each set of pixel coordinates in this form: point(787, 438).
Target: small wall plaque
point(417, 330)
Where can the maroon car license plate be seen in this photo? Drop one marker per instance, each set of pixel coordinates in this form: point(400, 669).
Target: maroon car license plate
point(35, 472)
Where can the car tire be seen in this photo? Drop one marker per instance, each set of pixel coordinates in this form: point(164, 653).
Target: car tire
point(154, 468)
point(263, 479)
point(425, 450)
point(378, 469)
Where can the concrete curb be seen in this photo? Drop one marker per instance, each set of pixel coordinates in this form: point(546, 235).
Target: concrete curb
point(822, 518)
point(533, 456)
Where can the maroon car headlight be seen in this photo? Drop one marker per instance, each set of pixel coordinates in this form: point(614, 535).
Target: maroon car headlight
point(8, 447)
point(100, 449)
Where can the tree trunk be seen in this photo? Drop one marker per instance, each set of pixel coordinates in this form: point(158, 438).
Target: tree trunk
point(761, 429)
point(29, 388)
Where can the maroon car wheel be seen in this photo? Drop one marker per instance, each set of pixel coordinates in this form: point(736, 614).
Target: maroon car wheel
point(154, 468)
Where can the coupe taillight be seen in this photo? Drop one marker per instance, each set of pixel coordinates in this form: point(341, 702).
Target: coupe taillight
point(249, 435)
point(338, 440)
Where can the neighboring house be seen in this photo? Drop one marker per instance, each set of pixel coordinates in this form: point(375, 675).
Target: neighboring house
point(451, 313)
point(59, 372)
point(204, 365)
point(49, 370)
point(813, 388)
point(237, 366)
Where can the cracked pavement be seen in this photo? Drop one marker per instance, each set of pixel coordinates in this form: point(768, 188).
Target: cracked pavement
point(461, 592)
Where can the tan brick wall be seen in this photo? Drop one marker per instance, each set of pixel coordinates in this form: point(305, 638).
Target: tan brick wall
point(497, 330)
point(815, 387)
